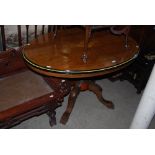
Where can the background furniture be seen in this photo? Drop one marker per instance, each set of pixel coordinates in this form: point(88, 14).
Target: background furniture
point(138, 72)
point(18, 100)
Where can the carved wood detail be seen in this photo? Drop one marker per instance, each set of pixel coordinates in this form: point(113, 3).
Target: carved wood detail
point(11, 63)
point(83, 85)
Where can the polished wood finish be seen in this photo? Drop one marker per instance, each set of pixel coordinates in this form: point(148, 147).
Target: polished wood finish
point(62, 56)
point(67, 55)
point(117, 30)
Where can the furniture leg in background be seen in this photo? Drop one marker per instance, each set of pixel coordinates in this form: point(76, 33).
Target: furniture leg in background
point(146, 107)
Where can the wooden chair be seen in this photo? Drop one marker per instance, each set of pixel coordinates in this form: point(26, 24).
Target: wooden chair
point(23, 93)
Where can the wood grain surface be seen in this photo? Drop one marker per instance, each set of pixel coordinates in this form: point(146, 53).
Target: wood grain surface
point(62, 56)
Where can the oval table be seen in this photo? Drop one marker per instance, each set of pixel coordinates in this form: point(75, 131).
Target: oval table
point(61, 56)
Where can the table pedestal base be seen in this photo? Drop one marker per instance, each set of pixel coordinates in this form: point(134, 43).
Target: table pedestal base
point(78, 86)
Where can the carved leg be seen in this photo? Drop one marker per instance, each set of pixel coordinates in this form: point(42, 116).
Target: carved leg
point(52, 117)
point(98, 91)
point(71, 101)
